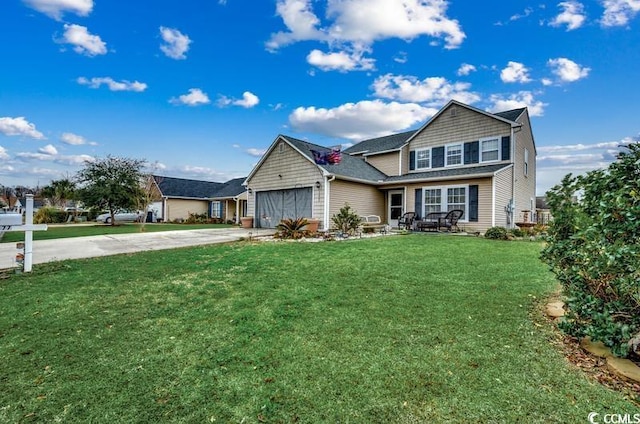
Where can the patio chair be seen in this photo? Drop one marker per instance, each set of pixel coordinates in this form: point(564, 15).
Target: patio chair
point(431, 222)
point(450, 221)
point(406, 220)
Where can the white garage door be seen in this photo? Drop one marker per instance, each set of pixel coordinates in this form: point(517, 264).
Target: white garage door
point(273, 206)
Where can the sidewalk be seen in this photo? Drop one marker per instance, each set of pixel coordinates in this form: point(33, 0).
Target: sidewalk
point(95, 246)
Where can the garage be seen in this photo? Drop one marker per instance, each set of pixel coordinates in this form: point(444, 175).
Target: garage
point(275, 205)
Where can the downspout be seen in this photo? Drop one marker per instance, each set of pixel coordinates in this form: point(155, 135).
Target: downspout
point(165, 209)
point(237, 217)
point(325, 220)
point(513, 183)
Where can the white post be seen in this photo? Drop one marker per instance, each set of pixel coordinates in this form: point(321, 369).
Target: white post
point(28, 235)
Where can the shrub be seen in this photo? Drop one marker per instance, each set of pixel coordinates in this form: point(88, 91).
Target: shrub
point(197, 218)
point(49, 215)
point(497, 233)
point(346, 220)
point(593, 250)
point(292, 228)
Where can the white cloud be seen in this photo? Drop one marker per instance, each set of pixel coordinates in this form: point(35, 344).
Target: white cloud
point(401, 57)
point(362, 22)
point(340, 61)
point(433, 90)
point(3, 153)
point(466, 69)
point(569, 148)
point(619, 12)
point(195, 97)
point(357, 121)
point(572, 15)
point(75, 139)
point(56, 8)
point(515, 72)
point(113, 85)
point(567, 70)
point(256, 152)
point(49, 149)
point(248, 100)
point(546, 81)
point(176, 43)
point(19, 126)
point(83, 42)
point(73, 160)
point(518, 100)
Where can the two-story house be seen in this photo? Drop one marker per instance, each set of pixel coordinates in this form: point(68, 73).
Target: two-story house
point(462, 158)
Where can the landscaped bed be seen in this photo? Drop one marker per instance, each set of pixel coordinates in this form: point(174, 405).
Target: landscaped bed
point(390, 329)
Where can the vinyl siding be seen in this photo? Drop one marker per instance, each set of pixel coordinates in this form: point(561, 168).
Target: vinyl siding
point(504, 181)
point(287, 169)
point(388, 163)
point(363, 199)
point(485, 201)
point(180, 208)
point(525, 185)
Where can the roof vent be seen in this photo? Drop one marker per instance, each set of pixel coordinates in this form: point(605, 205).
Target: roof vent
point(454, 112)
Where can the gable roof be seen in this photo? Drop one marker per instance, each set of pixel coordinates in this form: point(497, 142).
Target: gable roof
point(185, 188)
point(511, 115)
point(231, 188)
point(349, 167)
point(381, 144)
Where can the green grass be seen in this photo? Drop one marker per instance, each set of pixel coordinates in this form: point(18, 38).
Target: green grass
point(388, 330)
point(73, 230)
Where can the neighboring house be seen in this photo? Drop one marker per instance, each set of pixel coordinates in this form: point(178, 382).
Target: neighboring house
point(230, 201)
point(462, 158)
point(177, 198)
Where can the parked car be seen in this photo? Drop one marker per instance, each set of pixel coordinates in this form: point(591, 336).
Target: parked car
point(121, 216)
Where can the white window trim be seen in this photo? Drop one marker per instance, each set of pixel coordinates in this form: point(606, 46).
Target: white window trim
point(526, 163)
point(430, 158)
point(444, 205)
point(446, 154)
point(499, 149)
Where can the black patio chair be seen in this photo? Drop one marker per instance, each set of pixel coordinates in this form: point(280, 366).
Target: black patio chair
point(450, 221)
point(406, 220)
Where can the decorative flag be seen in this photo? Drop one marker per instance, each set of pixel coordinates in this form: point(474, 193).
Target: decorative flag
point(320, 158)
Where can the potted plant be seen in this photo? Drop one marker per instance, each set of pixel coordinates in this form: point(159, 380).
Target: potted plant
point(246, 222)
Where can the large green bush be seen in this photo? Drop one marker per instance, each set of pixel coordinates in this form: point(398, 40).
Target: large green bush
point(594, 250)
point(346, 220)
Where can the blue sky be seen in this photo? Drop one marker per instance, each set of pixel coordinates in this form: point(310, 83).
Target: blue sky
point(200, 88)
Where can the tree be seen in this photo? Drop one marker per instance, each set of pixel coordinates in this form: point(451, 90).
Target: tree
point(60, 191)
point(111, 183)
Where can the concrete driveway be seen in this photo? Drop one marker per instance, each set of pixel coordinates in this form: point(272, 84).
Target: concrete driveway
point(94, 246)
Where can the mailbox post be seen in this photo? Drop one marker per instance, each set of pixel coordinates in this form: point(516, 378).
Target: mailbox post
point(13, 222)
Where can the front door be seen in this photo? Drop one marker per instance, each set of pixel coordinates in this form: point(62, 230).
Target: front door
point(396, 206)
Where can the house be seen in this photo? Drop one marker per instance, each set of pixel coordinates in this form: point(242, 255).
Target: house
point(177, 198)
point(462, 158)
point(229, 203)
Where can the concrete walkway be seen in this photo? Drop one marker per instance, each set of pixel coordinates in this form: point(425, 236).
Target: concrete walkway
point(94, 246)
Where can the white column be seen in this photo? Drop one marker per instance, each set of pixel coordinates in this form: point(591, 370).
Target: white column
point(28, 235)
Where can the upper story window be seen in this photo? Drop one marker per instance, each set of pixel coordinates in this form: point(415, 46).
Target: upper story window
point(489, 150)
point(423, 158)
point(453, 154)
point(526, 162)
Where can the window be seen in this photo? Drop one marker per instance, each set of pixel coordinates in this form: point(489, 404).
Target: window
point(432, 200)
point(489, 150)
point(526, 162)
point(423, 158)
point(445, 199)
point(454, 154)
point(216, 210)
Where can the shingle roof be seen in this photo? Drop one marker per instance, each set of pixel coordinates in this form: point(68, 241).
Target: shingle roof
point(381, 144)
point(181, 187)
point(231, 188)
point(511, 115)
point(349, 166)
point(448, 173)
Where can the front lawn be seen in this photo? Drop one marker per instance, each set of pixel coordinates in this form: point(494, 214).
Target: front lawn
point(392, 329)
point(81, 230)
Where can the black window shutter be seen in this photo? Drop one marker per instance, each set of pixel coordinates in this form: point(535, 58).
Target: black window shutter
point(418, 202)
point(467, 153)
point(473, 203)
point(475, 151)
point(412, 160)
point(506, 148)
point(437, 157)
